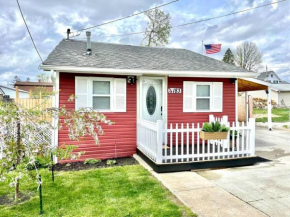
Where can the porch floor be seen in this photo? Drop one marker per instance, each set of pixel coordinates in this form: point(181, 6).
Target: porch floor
point(197, 165)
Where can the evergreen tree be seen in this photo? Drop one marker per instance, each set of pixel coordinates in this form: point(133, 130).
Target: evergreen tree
point(15, 79)
point(229, 57)
point(28, 79)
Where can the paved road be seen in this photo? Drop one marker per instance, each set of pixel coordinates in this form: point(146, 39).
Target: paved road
point(265, 186)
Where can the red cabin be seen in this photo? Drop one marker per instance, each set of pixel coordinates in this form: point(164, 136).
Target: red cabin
point(158, 98)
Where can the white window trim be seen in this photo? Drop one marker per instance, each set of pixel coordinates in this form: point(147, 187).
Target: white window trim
point(195, 83)
point(201, 97)
point(112, 93)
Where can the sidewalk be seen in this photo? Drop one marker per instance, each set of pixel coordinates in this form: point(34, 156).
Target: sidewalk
point(202, 196)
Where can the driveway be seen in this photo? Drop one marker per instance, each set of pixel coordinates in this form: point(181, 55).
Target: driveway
point(265, 186)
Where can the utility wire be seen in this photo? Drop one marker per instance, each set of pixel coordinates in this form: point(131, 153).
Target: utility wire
point(242, 11)
point(132, 15)
point(203, 20)
point(29, 31)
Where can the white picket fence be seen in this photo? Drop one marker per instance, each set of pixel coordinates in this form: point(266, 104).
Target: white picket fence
point(181, 142)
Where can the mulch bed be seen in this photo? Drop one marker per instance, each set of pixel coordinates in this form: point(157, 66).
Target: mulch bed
point(76, 166)
point(8, 199)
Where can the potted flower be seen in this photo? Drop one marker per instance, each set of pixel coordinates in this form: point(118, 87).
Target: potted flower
point(214, 131)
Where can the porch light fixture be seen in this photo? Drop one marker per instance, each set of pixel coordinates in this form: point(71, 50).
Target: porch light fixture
point(233, 80)
point(131, 80)
point(266, 91)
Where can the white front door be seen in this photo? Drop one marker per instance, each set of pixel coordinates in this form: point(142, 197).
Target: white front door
point(151, 99)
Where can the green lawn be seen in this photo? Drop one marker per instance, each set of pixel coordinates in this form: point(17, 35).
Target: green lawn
point(279, 115)
point(117, 191)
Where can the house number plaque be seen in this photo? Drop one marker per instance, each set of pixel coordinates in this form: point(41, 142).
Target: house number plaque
point(174, 90)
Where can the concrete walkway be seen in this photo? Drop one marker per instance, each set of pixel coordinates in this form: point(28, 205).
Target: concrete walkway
point(265, 186)
point(203, 196)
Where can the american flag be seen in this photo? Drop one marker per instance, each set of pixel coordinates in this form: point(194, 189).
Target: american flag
point(212, 48)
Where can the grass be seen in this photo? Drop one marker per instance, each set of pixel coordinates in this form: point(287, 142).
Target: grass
point(117, 191)
point(283, 115)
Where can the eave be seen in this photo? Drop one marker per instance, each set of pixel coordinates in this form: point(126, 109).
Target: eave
point(139, 72)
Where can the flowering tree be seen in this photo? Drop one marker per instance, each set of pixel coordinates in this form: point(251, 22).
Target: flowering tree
point(24, 139)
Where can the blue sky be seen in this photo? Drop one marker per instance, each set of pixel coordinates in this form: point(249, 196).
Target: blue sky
point(268, 27)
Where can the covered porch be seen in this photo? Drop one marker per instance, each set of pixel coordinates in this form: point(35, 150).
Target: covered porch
point(178, 147)
point(246, 85)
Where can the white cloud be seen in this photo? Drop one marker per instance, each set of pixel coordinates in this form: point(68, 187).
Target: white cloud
point(48, 21)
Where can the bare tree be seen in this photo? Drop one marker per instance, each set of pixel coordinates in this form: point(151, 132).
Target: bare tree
point(158, 28)
point(248, 56)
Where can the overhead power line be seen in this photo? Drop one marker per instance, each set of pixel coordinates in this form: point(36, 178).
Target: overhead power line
point(242, 11)
point(203, 20)
point(123, 18)
point(29, 31)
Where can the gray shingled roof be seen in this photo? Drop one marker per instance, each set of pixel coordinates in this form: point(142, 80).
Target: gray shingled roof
point(264, 75)
point(117, 56)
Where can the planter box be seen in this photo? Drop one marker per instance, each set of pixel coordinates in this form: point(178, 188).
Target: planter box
point(213, 135)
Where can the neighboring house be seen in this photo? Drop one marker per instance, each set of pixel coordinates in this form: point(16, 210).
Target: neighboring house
point(280, 88)
point(27, 86)
point(271, 77)
point(11, 92)
point(144, 90)
point(2, 93)
point(283, 93)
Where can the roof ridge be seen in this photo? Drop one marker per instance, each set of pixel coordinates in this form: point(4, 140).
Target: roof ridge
point(97, 42)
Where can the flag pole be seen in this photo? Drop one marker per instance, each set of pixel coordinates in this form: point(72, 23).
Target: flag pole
point(202, 47)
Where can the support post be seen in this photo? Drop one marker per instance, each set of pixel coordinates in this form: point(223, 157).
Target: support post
point(159, 141)
point(237, 100)
point(55, 103)
point(247, 106)
point(252, 136)
point(40, 195)
point(225, 119)
point(211, 118)
point(269, 107)
point(17, 94)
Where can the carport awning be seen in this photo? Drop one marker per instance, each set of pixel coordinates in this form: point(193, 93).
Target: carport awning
point(251, 85)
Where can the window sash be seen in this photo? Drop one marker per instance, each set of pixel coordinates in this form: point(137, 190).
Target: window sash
point(196, 84)
point(213, 98)
point(92, 95)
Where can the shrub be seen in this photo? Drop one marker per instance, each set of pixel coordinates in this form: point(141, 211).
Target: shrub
point(92, 161)
point(214, 127)
point(207, 127)
point(111, 162)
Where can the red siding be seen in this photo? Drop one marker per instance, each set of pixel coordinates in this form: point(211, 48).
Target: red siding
point(124, 129)
point(175, 102)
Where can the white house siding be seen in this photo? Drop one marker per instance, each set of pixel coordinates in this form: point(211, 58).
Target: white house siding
point(285, 96)
point(272, 79)
point(12, 93)
point(262, 94)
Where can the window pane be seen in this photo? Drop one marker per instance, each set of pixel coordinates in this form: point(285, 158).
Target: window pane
point(202, 90)
point(202, 104)
point(101, 103)
point(101, 87)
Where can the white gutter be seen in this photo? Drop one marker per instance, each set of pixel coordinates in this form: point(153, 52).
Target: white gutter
point(139, 72)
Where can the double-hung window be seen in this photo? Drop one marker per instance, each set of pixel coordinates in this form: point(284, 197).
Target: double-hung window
point(101, 94)
point(202, 96)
